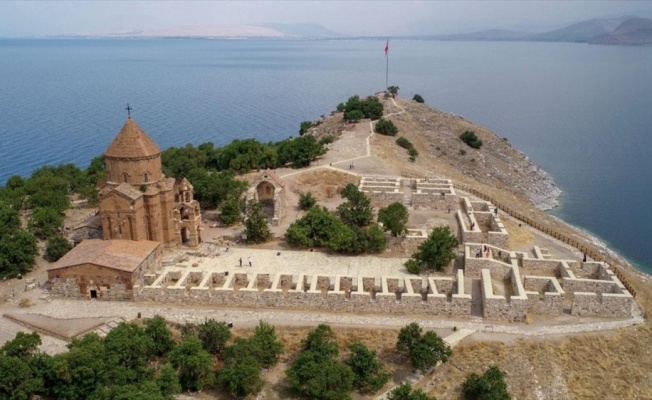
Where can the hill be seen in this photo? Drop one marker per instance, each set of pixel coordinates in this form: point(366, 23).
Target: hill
point(579, 32)
point(634, 31)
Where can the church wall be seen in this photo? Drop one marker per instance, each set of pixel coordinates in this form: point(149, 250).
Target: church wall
point(135, 169)
point(79, 280)
point(120, 227)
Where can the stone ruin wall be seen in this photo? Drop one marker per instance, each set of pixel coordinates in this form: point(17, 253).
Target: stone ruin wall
point(545, 295)
point(353, 294)
point(382, 191)
point(488, 226)
point(434, 194)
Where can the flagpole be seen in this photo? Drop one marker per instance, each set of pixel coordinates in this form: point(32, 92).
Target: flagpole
point(387, 65)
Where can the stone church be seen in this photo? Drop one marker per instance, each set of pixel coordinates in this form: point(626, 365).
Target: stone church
point(138, 202)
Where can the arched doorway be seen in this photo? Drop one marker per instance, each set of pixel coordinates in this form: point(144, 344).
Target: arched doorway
point(265, 194)
point(184, 236)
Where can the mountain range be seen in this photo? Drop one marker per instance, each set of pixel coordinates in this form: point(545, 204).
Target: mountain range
point(614, 31)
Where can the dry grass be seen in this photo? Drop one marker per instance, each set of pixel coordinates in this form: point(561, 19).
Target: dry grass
point(519, 237)
point(323, 184)
point(24, 303)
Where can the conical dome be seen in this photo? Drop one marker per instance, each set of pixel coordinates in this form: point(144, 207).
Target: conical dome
point(133, 157)
point(132, 142)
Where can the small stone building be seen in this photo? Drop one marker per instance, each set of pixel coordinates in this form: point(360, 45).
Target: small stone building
point(138, 202)
point(104, 269)
point(269, 190)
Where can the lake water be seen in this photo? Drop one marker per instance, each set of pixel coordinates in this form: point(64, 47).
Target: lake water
point(581, 112)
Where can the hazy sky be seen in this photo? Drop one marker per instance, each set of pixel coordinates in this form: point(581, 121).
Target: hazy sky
point(383, 18)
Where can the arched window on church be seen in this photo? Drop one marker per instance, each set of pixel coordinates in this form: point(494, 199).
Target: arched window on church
point(187, 197)
point(125, 177)
point(146, 177)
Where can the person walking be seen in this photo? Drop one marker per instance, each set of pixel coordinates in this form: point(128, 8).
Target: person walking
point(249, 259)
point(240, 262)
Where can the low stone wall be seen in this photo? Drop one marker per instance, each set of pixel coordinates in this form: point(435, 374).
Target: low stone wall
point(602, 304)
point(545, 295)
point(434, 201)
point(512, 308)
point(381, 198)
point(394, 295)
point(499, 267)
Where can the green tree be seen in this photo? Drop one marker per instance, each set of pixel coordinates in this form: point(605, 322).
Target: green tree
point(369, 373)
point(305, 125)
point(45, 222)
point(315, 229)
point(490, 386)
point(230, 212)
point(316, 373)
point(405, 392)
point(418, 98)
point(471, 139)
point(241, 378)
point(57, 247)
point(161, 342)
point(355, 109)
point(353, 115)
point(23, 345)
point(437, 251)
point(265, 347)
point(424, 351)
point(394, 218)
point(428, 351)
point(126, 348)
point(386, 127)
point(82, 370)
point(214, 335)
point(212, 187)
point(306, 200)
point(193, 363)
point(374, 239)
point(393, 90)
point(9, 220)
point(357, 210)
point(17, 380)
point(299, 152)
point(17, 253)
point(372, 108)
point(168, 381)
point(256, 226)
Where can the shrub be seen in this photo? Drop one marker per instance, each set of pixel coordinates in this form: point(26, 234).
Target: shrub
point(393, 90)
point(326, 139)
point(404, 142)
point(471, 139)
point(418, 98)
point(462, 152)
point(405, 392)
point(256, 226)
point(306, 200)
point(56, 248)
point(45, 222)
point(230, 212)
point(413, 266)
point(386, 127)
point(490, 386)
point(213, 335)
point(356, 109)
point(305, 125)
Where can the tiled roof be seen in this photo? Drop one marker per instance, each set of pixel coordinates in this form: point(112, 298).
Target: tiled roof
point(132, 142)
point(123, 255)
point(128, 190)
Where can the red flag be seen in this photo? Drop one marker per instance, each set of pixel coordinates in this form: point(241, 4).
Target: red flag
point(386, 47)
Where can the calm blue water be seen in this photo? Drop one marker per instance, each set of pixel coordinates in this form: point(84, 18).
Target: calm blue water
point(581, 112)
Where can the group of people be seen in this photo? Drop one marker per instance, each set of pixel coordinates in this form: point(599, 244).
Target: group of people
point(482, 252)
